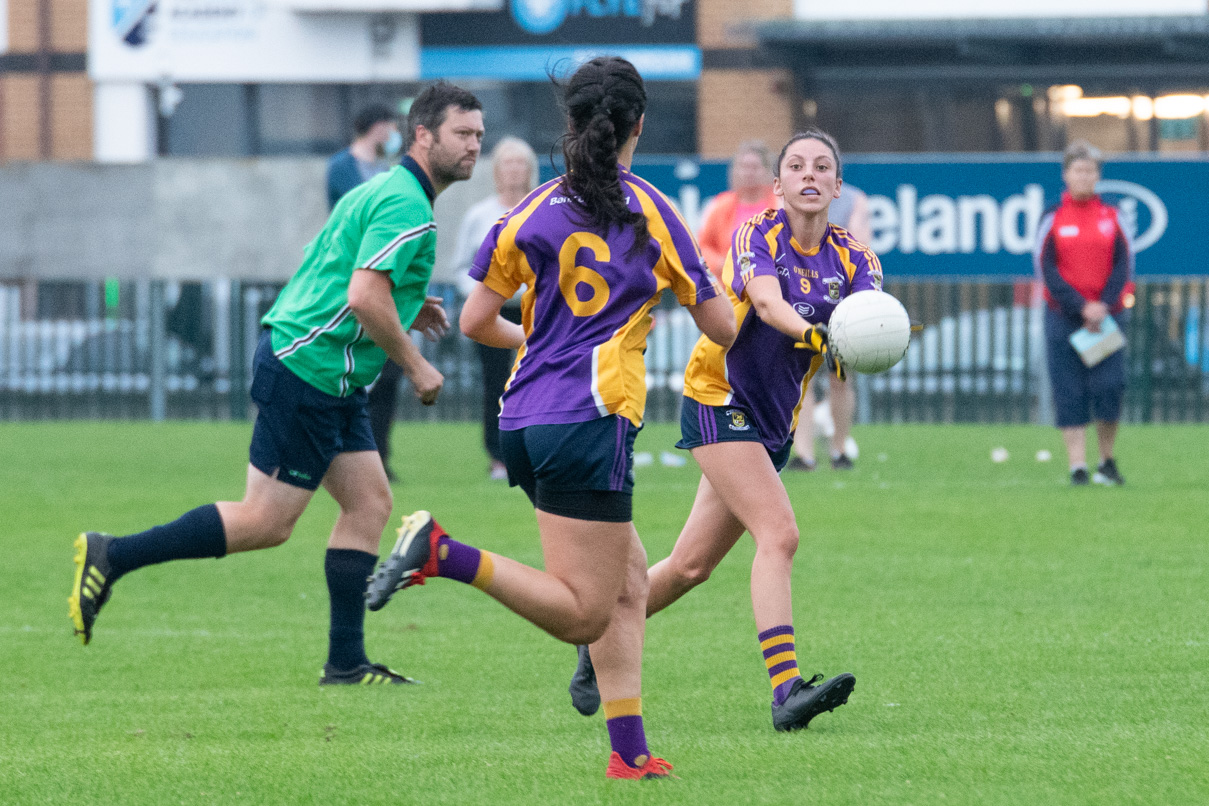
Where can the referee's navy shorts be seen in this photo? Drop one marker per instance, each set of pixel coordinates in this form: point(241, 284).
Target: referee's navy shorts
point(1081, 392)
point(708, 425)
point(577, 470)
point(299, 429)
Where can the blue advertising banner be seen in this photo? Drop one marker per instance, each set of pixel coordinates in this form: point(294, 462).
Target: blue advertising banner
point(966, 217)
point(527, 38)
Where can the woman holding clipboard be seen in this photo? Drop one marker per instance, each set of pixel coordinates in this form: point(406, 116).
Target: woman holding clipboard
point(1085, 260)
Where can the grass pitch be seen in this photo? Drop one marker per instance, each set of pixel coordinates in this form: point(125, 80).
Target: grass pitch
point(1014, 640)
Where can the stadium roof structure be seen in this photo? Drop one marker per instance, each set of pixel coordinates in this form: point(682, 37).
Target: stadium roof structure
point(980, 51)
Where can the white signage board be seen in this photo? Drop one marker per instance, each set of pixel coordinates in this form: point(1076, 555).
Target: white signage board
point(3, 26)
point(992, 9)
point(246, 41)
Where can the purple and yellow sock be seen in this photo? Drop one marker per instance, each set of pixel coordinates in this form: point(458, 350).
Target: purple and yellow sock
point(624, 721)
point(781, 660)
point(464, 563)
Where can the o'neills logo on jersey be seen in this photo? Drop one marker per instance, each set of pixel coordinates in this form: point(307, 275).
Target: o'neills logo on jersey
point(936, 224)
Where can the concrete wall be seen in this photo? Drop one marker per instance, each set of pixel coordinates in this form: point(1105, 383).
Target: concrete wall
point(180, 219)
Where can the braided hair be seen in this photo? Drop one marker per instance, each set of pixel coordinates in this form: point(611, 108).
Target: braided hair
point(604, 100)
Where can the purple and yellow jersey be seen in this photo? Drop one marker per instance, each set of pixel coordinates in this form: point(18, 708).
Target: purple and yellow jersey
point(586, 308)
point(763, 370)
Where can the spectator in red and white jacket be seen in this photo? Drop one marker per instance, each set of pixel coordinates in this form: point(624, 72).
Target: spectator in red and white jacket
point(1085, 260)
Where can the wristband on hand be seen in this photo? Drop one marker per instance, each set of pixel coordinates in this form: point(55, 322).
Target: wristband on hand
point(833, 365)
point(815, 337)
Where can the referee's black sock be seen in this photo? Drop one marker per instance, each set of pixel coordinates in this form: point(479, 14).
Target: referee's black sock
point(347, 572)
point(198, 533)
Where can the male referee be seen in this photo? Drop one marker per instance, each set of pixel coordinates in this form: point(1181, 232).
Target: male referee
point(361, 286)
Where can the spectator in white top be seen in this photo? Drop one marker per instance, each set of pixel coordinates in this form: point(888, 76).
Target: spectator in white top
point(514, 167)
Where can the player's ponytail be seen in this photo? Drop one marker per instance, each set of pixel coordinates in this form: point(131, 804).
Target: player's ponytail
point(604, 100)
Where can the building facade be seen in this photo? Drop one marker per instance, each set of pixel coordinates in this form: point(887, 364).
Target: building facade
point(45, 94)
point(128, 80)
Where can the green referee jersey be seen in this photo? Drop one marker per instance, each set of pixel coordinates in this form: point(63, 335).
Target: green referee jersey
point(385, 225)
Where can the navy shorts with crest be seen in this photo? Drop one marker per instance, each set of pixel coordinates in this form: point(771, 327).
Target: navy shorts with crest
point(708, 425)
point(299, 429)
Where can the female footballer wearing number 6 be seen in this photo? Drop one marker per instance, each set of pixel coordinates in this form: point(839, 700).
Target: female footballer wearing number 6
point(786, 271)
point(595, 249)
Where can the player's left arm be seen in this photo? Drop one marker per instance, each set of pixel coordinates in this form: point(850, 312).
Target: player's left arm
point(369, 298)
point(390, 246)
point(481, 320)
point(868, 270)
point(496, 279)
point(695, 286)
point(774, 310)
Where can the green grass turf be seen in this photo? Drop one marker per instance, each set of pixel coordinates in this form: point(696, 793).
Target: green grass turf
point(1015, 641)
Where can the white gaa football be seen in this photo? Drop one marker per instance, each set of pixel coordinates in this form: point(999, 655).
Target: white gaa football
point(870, 331)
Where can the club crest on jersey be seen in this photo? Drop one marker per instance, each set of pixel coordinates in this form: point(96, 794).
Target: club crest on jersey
point(745, 261)
point(804, 309)
point(738, 420)
point(833, 288)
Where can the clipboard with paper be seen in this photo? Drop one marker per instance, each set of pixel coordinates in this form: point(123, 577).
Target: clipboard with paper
point(1095, 347)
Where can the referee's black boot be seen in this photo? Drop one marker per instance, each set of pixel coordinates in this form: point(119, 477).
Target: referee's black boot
point(93, 582)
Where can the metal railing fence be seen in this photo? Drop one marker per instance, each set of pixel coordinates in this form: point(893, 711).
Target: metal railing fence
point(156, 349)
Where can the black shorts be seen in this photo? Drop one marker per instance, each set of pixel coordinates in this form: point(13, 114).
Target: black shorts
point(1082, 393)
point(578, 470)
point(299, 429)
point(708, 425)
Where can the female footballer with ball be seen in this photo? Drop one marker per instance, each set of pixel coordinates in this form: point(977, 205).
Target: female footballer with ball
point(785, 272)
point(595, 249)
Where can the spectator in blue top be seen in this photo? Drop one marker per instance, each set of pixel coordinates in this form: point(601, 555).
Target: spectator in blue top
point(376, 144)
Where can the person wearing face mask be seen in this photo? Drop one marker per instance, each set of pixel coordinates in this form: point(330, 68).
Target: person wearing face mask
point(514, 165)
point(786, 271)
point(1085, 260)
point(376, 144)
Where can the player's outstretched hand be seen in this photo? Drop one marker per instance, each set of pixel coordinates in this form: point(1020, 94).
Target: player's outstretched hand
point(427, 381)
point(814, 338)
point(833, 364)
point(432, 320)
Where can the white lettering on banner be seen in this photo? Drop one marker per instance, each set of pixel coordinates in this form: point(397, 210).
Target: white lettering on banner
point(944, 225)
